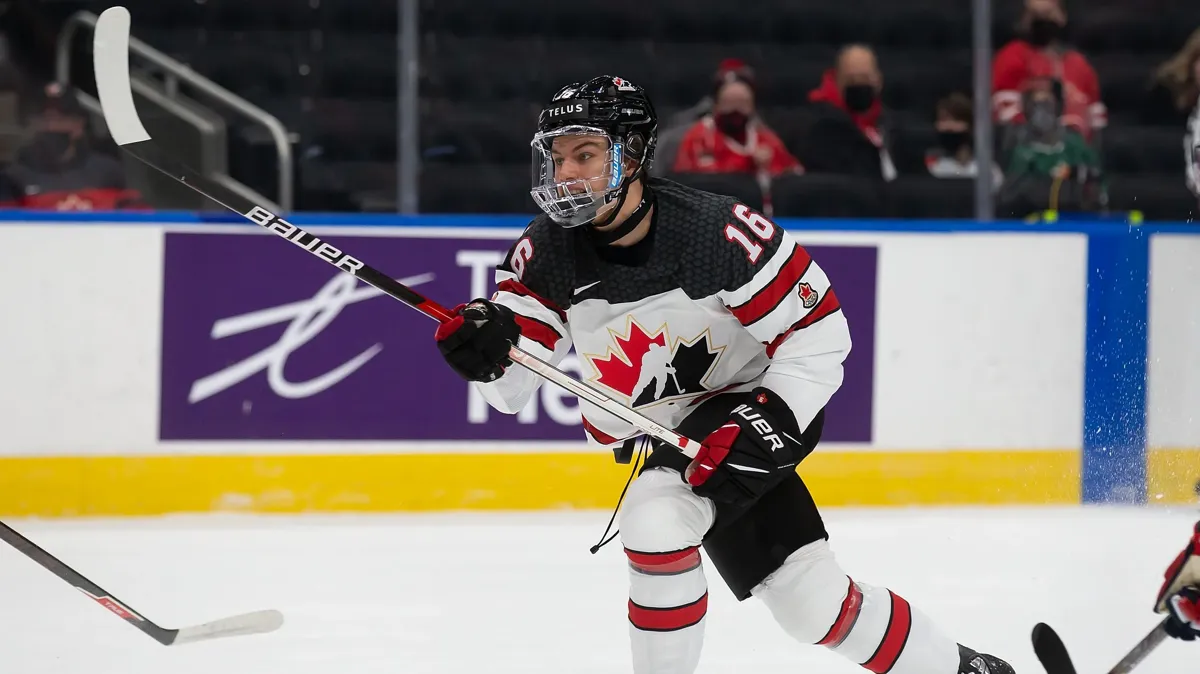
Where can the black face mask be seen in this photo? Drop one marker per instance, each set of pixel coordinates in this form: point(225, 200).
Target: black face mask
point(1043, 31)
point(732, 124)
point(1042, 118)
point(859, 97)
point(953, 141)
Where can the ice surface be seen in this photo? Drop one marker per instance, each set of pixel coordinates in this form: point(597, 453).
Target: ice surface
point(519, 593)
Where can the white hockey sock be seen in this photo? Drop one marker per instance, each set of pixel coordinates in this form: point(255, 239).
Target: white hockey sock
point(881, 631)
point(816, 603)
point(668, 601)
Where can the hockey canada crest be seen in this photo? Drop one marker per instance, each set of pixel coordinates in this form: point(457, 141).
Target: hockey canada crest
point(651, 366)
point(808, 296)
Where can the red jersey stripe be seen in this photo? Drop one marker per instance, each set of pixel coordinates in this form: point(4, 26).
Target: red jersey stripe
point(754, 309)
point(828, 305)
point(518, 288)
point(598, 435)
point(538, 331)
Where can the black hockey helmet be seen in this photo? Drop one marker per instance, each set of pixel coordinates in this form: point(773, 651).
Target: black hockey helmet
point(613, 108)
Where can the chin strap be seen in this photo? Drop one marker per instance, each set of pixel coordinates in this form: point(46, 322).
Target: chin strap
point(621, 231)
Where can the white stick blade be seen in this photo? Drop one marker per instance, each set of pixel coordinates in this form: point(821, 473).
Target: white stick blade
point(110, 49)
point(258, 622)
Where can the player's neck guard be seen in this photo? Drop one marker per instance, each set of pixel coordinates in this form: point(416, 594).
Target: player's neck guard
point(635, 218)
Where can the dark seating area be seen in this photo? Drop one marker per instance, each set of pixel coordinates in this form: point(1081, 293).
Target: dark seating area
point(328, 69)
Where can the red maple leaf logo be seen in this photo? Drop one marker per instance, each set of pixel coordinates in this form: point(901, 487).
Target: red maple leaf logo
point(619, 369)
point(808, 296)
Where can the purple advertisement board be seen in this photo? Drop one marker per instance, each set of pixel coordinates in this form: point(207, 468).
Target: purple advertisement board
point(261, 341)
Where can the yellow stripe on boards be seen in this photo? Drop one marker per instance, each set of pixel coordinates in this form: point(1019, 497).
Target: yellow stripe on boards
point(1172, 474)
point(153, 485)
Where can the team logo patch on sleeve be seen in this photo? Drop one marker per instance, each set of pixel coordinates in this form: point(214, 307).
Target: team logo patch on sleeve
point(808, 296)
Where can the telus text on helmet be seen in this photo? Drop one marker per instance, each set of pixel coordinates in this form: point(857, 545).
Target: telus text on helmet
point(566, 110)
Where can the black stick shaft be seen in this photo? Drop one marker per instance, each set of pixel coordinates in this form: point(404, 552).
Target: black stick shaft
point(1142, 649)
point(82, 583)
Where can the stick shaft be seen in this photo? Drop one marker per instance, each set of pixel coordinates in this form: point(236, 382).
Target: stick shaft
point(1141, 650)
point(83, 584)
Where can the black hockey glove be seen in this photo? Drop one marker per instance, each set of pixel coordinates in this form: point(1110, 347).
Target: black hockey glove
point(476, 341)
point(747, 456)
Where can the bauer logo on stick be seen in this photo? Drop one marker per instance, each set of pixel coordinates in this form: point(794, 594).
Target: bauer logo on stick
point(303, 239)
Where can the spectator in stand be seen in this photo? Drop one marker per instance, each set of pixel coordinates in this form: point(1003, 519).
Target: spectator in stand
point(57, 168)
point(847, 135)
point(1052, 166)
point(1041, 52)
point(954, 156)
point(732, 138)
point(673, 130)
point(1180, 77)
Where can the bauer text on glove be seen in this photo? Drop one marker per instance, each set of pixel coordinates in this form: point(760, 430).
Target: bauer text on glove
point(745, 457)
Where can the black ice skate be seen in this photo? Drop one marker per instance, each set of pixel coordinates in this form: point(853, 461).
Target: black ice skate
point(970, 662)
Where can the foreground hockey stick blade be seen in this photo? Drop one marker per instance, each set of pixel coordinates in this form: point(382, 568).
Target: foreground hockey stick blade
point(246, 623)
point(1052, 653)
point(111, 51)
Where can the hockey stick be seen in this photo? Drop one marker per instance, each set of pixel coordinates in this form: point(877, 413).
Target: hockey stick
point(111, 53)
point(1053, 655)
point(247, 623)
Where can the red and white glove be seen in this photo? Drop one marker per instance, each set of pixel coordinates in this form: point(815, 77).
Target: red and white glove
point(1179, 596)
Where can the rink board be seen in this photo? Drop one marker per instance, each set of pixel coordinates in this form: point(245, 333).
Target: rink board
point(167, 365)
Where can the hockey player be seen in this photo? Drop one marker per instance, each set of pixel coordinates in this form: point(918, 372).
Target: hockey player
point(745, 341)
point(1179, 596)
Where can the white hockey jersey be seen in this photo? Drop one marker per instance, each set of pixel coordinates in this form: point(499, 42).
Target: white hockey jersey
point(726, 301)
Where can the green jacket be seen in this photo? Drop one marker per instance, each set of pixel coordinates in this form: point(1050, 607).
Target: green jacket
point(1036, 159)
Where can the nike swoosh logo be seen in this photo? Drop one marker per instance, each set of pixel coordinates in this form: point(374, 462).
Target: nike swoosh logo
point(746, 469)
point(579, 290)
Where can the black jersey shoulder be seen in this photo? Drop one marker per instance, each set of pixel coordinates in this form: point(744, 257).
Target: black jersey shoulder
point(543, 260)
point(711, 258)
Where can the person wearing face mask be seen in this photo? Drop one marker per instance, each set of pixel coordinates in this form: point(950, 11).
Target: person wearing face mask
point(954, 155)
point(56, 167)
point(731, 138)
point(1040, 50)
point(847, 134)
point(1052, 166)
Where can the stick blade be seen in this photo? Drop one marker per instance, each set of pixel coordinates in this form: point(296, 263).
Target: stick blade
point(110, 48)
point(1051, 651)
point(258, 622)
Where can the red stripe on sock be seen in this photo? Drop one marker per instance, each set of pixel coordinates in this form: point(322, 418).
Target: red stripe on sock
point(667, 619)
point(894, 639)
point(664, 563)
point(851, 606)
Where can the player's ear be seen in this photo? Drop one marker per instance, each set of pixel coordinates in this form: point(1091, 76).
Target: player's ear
point(634, 148)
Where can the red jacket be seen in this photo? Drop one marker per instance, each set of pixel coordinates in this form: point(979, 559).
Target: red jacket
point(703, 149)
point(1018, 62)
